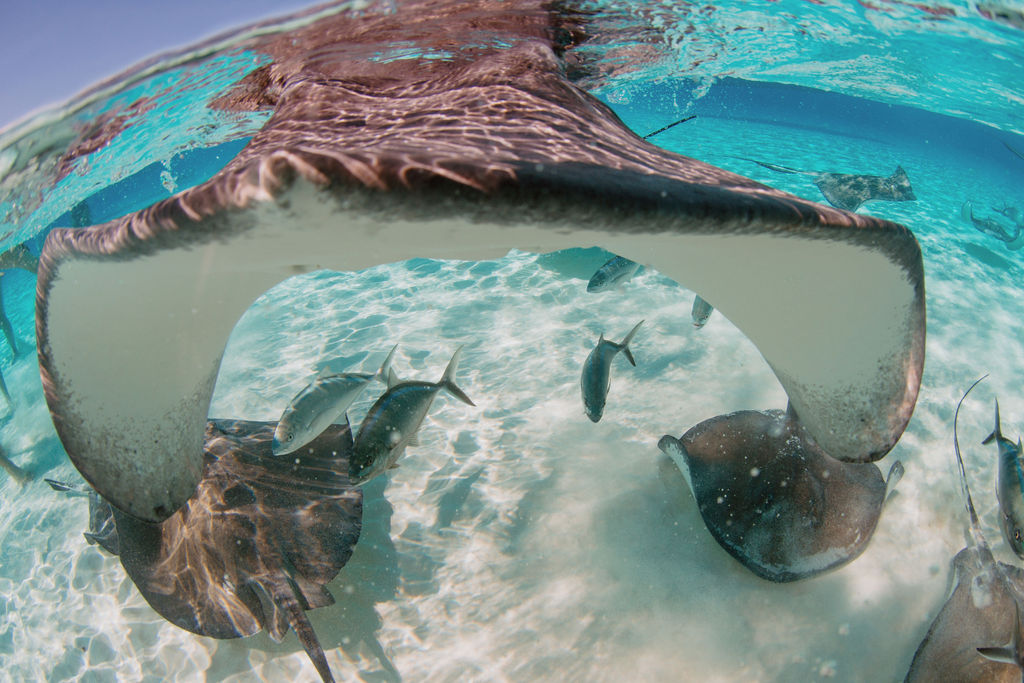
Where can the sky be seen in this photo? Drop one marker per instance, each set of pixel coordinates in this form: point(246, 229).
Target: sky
point(52, 49)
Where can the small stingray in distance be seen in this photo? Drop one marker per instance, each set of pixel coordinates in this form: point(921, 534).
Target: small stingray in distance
point(848, 191)
point(1013, 236)
point(256, 545)
point(775, 501)
point(979, 613)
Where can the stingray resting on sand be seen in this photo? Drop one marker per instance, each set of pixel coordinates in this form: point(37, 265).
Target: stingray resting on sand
point(778, 504)
point(848, 191)
point(441, 129)
point(270, 533)
point(974, 632)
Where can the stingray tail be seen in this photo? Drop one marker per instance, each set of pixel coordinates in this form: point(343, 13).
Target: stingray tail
point(1020, 154)
point(448, 379)
point(773, 167)
point(287, 604)
point(624, 344)
point(979, 539)
point(997, 432)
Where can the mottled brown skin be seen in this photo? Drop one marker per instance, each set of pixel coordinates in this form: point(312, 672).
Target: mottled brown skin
point(949, 651)
point(492, 131)
point(849, 191)
point(255, 546)
point(772, 498)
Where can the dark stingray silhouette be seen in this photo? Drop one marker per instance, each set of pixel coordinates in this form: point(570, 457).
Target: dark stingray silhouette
point(848, 191)
point(980, 612)
point(1012, 235)
point(435, 128)
point(773, 499)
point(257, 543)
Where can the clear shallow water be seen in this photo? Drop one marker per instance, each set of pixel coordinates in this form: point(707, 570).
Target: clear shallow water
point(519, 541)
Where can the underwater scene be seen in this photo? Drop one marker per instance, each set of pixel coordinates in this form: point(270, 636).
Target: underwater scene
point(425, 340)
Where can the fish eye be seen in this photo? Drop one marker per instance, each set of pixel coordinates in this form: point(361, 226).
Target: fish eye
point(289, 436)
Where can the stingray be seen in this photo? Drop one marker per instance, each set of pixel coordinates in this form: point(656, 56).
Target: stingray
point(1013, 237)
point(979, 613)
point(256, 544)
point(444, 129)
point(775, 501)
point(848, 191)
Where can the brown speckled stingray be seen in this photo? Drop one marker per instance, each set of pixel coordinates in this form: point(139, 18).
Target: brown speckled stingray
point(256, 544)
point(979, 613)
point(773, 499)
point(434, 128)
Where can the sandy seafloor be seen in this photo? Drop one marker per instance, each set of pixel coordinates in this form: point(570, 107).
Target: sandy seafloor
point(519, 541)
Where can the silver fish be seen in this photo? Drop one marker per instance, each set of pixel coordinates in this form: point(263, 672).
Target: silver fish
point(596, 369)
point(612, 274)
point(320, 404)
point(1009, 488)
point(392, 422)
point(700, 312)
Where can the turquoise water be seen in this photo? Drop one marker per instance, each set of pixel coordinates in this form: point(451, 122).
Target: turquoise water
point(519, 541)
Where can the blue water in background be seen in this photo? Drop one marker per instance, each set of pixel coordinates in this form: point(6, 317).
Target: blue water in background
point(493, 556)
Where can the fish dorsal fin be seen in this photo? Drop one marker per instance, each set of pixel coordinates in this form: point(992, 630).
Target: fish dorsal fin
point(997, 433)
point(392, 378)
point(384, 374)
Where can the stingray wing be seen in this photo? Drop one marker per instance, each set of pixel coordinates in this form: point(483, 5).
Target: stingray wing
point(460, 158)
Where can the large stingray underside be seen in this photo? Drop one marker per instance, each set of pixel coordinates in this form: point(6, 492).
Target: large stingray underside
point(773, 499)
point(451, 130)
point(256, 544)
point(979, 613)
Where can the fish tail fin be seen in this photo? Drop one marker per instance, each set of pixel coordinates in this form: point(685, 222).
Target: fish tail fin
point(967, 211)
point(624, 344)
point(895, 474)
point(448, 379)
point(385, 374)
point(997, 432)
